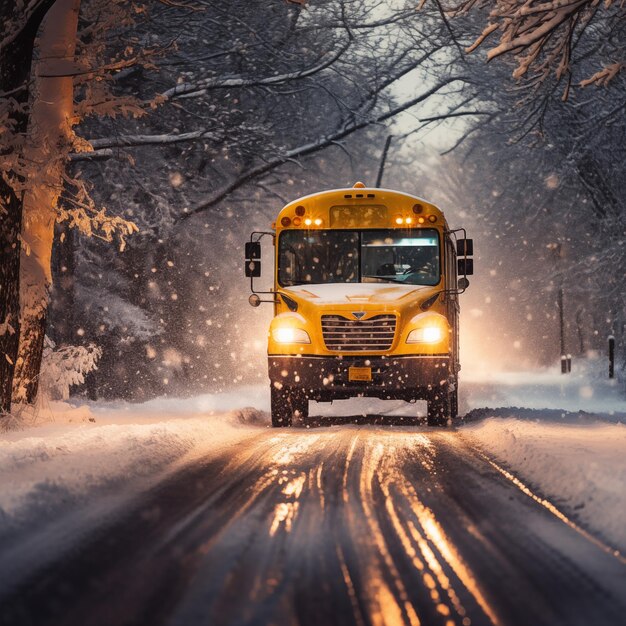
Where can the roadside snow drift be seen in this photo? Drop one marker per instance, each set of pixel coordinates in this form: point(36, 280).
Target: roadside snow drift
point(580, 467)
point(50, 470)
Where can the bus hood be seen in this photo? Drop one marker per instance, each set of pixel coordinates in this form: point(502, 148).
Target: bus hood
point(359, 293)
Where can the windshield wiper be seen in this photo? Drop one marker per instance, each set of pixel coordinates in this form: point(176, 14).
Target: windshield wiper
point(389, 278)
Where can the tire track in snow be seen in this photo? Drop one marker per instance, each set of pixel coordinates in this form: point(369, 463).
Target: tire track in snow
point(367, 526)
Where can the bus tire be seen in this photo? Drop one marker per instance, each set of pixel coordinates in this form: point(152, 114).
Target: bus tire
point(439, 413)
point(454, 403)
point(286, 404)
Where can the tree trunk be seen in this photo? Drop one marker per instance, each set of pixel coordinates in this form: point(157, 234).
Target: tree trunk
point(48, 146)
point(15, 65)
point(10, 223)
point(63, 299)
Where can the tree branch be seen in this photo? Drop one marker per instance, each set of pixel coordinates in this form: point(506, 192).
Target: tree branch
point(310, 148)
point(102, 147)
point(202, 86)
point(446, 116)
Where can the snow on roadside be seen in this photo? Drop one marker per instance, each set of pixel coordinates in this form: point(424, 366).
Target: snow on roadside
point(67, 459)
point(587, 388)
point(61, 466)
point(579, 467)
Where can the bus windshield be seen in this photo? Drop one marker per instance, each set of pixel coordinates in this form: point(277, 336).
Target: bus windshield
point(352, 256)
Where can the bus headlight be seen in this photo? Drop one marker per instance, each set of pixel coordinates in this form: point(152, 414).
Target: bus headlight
point(427, 334)
point(287, 334)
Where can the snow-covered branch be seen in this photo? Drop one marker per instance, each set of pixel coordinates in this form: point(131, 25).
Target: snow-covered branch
point(543, 35)
point(65, 367)
point(102, 147)
point(202, 86)
point(324, 142)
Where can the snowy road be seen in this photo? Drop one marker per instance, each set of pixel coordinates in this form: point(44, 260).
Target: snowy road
point(343, 525)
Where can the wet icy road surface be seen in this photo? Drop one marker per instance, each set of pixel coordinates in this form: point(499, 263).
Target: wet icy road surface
point(344, 525)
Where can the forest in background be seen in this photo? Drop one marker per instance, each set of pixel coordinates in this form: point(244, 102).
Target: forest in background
point(203, 118)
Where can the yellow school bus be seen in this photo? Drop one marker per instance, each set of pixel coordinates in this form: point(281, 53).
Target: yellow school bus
point(365, 300)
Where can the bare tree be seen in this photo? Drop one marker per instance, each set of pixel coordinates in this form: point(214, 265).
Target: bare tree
point(46, 147)
point(18, 29)
point(42, 159)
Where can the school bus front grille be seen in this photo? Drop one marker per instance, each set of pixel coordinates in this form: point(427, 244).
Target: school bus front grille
point(374, 334)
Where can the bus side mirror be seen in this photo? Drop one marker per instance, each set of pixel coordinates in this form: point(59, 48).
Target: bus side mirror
point(462, 283)
point(253, 249)
point(253, 259)
point(465, 267)
point(253, 269)
point(464, 247)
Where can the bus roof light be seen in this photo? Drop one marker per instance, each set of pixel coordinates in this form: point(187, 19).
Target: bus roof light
point(300, 210)
point(318, 222)
point(408, 220)
point(417, 209)
point(420, 220)
point(399, 220)
point(285, 221)
point(432, 218)
point(308, 221)
point(297, 221)
point(359, 185)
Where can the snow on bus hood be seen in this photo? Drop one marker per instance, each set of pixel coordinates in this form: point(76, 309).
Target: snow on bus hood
point(344, 293)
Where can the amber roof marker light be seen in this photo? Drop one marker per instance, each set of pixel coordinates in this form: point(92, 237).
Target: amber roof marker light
point(359, 185)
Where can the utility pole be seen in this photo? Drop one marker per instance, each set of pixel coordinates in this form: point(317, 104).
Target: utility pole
point(564, 367)
point(383, 158)
point(566, 359)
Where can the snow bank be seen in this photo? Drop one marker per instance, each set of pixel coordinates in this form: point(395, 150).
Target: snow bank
point(587, 388)
point(61, 466)
point(579, 467)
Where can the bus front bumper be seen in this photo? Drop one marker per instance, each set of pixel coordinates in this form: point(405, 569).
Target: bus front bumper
point(333, 377)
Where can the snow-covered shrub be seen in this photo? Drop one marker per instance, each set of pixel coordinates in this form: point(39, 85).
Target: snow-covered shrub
point(117, 313)
point(63, 367)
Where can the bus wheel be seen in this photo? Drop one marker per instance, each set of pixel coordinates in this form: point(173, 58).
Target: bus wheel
point(454, 403)
point(287, 403)
point(439, 412)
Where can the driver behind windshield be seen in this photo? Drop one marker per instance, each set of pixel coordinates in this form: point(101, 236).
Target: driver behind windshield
point(400, 259)
point(334, 256)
